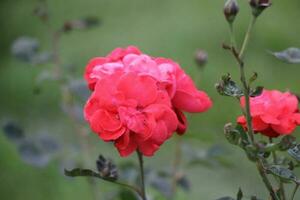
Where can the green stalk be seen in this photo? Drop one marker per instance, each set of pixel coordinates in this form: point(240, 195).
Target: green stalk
point(247, 111)
point(141, 163)
point(281, 186)
point(294, 192)
point(247, 37)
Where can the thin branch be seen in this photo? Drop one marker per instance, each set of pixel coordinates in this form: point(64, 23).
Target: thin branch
point(176, 164)
point(281, 186)
point(294, 191)
point(141, 163)
point(239, 58)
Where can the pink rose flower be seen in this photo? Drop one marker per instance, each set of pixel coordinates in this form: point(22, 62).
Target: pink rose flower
point(169, 76)
point(273, 113)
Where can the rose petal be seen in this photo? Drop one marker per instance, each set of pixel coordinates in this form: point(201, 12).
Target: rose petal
point(106, 126)
point(141, 88)
point(89, 69)
point(126, 145)
point(195, 102)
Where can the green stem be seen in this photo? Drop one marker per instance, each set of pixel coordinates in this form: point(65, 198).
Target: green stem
point(137, 190)
point(246, 88)
point(247, 37)
point(281, 186)
point(247, 103)
point(266, 181)
point(176, 164)
point(141, 163)
point(294, 192)
point(232, 36)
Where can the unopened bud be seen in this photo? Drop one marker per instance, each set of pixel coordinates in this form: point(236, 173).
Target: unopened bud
point(201, 57)
point(106, 168)
point(231, 9)
point(258, 6)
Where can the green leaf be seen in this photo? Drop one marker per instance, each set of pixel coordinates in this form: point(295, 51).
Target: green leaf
point(257, 91)
point(242, 133)
point(253, 78)
point(254, 198)
point(239, 195)
point(226, 198)
point(81, 172)
point(283, 173)
point(287, 142)
point(227, 87)
point(294, 152)
point(290, 55)
point(77, 172)
point(127, 195)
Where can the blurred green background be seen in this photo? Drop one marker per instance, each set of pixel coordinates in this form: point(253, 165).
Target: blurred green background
point(167, 28)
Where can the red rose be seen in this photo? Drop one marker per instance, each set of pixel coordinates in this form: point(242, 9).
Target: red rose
point(169, 76)
point(273, 113)
point(138, 101)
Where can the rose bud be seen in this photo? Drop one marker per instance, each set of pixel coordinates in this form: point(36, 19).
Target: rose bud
point(201, 58)
point(258, 6)
point(231, 9)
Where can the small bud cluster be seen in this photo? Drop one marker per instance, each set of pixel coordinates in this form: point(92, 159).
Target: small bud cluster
point(106, 168)
point(231, 8)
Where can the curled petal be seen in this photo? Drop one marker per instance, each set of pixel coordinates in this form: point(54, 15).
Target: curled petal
point(119, 53)
point(259, 124)
point(125, 145)
point(141, 88)
point(106, 125)
point(89, 69)
point(192, 102)
point(148, 148)
point(182, 122)
point(297, 118)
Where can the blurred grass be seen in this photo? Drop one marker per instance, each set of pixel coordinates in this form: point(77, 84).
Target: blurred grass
point(169, 28)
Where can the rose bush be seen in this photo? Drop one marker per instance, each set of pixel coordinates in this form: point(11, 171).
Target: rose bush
point(273, 113)
point(138, 100)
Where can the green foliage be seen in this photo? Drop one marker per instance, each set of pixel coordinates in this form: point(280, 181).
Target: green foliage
point(227, 87)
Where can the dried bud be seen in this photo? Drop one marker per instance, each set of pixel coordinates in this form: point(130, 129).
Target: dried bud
point(80, 24)
point(287, 142)
point(231, 9)
point(41, 11)
point(231, 134)
point(201, 57)
point(258, 6)
point(106, 168)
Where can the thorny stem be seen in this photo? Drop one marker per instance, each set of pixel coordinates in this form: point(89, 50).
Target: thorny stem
point(239, 58)
point(141, 163)
point(294, 191)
